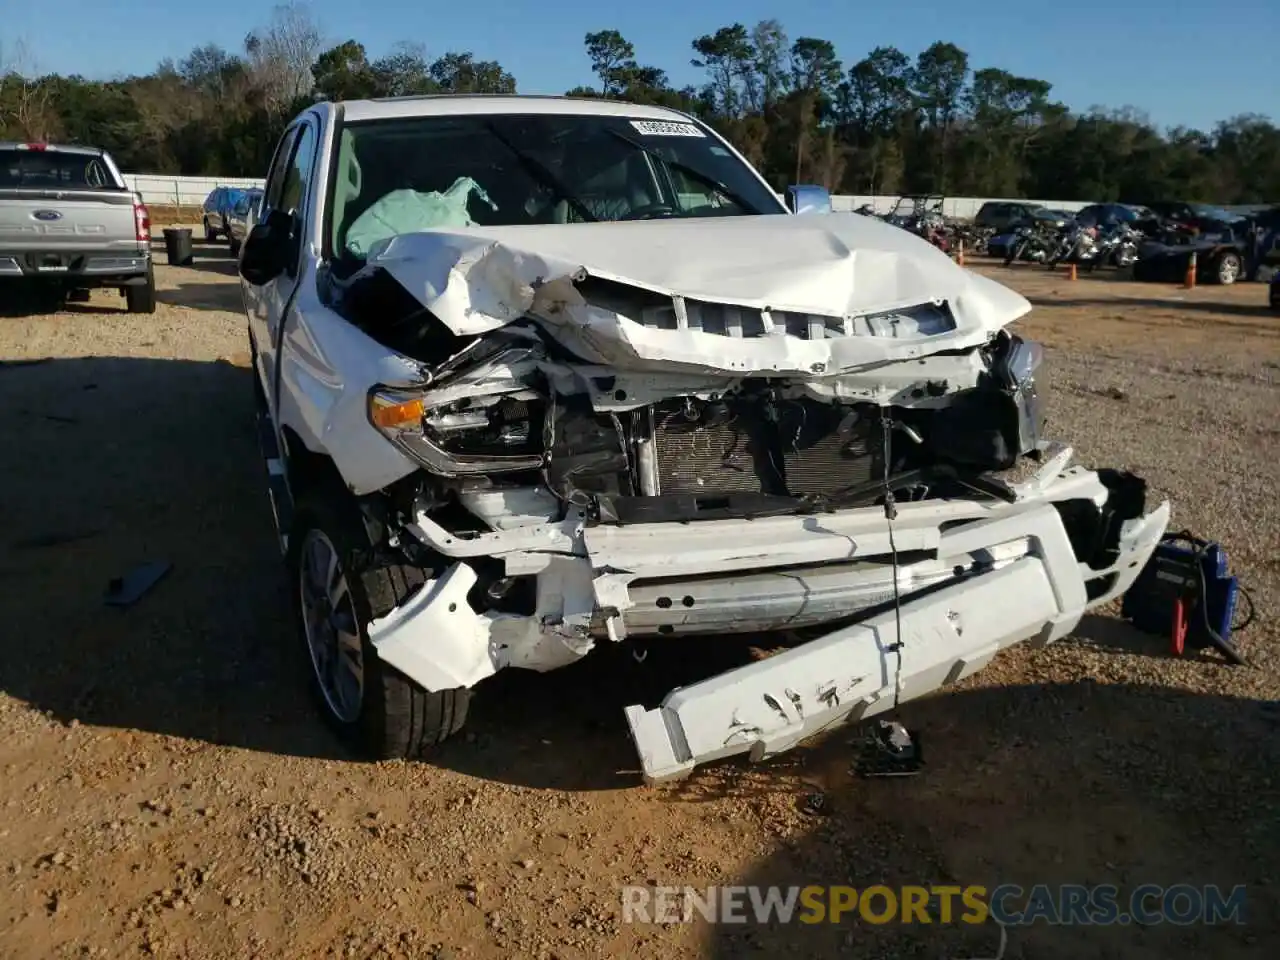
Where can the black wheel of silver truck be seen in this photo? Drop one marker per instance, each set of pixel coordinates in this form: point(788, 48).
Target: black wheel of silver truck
point(141, 297)
point(339, 586)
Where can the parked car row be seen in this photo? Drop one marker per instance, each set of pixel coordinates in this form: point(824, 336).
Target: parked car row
point(227, 214)
point(242, 218)
point(1157, 240)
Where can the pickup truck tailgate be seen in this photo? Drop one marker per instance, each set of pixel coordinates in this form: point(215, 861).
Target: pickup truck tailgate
point(36, 220)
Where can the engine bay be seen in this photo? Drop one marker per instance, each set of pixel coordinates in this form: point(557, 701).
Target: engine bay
point(509, 411)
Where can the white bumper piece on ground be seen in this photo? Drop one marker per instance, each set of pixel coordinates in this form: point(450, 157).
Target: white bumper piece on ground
point(995, 573)
point(856, 672)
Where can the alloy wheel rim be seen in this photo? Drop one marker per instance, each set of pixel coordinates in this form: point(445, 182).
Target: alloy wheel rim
point(331, 628)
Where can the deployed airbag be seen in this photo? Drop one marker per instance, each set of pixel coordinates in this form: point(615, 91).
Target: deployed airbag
point(409, 211)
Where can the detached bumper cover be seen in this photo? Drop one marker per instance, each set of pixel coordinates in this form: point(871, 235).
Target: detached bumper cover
point(769, 706)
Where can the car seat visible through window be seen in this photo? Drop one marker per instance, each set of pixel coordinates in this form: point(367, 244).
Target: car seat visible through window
point(619, 189)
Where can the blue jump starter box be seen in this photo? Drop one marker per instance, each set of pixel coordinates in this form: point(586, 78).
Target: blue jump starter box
point(1184, 585)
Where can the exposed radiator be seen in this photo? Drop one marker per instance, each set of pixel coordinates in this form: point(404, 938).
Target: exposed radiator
point(795, 447)
point(826, 449)
point(712, 446)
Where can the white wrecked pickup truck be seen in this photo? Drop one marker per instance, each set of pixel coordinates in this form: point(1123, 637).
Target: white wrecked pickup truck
point(541, 374)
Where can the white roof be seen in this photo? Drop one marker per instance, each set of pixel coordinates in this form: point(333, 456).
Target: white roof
point(457, 104)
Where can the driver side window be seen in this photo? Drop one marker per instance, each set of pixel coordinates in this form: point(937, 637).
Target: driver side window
point(286, 188)
point(275, 176)
point(297, 175)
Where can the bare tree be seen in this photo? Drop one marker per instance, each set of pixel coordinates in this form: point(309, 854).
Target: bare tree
point(24, 98)
point(281, 54)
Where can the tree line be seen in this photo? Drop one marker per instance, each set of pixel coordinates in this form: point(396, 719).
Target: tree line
point(888, 124)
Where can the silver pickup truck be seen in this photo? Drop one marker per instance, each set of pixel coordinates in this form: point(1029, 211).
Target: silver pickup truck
point(68, 224)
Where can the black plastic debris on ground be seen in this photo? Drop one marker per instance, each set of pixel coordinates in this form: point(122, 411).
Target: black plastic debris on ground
point(127, 590)
point(890, 750)
point(814, 804)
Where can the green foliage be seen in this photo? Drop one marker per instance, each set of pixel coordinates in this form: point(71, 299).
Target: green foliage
point(889, 123)
point(221, 113)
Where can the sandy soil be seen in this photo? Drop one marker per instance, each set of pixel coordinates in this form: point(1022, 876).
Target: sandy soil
point(167, 790)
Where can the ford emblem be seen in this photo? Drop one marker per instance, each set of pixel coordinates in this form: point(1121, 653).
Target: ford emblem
point(47, 215)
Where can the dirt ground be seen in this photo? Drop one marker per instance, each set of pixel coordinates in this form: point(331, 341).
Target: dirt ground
point(168, 790)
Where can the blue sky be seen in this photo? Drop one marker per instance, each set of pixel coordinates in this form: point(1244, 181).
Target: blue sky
point(1093, 52)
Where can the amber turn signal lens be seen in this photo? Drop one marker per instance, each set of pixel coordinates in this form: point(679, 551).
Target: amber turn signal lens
point(387, 413)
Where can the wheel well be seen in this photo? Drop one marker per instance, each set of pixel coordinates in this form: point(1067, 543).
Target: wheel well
point(308, 470)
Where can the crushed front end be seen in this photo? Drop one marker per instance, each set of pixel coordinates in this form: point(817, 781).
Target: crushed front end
point(613, 462)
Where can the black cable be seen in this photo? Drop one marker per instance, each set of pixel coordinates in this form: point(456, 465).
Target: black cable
point(890, 514)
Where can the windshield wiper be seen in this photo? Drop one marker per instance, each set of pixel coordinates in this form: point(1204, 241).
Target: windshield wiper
point(543, 175)
point(704, 178)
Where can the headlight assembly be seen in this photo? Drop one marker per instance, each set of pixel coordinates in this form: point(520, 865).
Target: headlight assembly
point(1017, 367)
point(467, 437)
point(481, 421)
point(1019, 362)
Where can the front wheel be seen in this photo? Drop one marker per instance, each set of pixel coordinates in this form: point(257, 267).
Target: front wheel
point(1227, 270)
point(210, 234)
point(235, 248)
point(339, 587)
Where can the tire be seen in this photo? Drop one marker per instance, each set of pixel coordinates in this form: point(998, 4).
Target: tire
point(141, 298)
point(394, 717)
point(1226, 270)
point(210, 234)
point(235, 248)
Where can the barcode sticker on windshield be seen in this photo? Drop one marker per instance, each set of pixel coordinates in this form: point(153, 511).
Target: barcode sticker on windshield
point(666, 128)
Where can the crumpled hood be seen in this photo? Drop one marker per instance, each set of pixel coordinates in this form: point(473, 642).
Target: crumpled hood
point(838, 267)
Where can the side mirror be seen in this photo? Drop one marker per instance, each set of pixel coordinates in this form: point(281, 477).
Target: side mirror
point(266, 250)
point(808, 198)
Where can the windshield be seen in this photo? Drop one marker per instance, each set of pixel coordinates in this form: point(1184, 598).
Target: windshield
point(410, 174)
point(54, 170)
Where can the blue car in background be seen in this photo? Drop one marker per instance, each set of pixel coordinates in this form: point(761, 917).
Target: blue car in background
point(242, 218)
point(217, 212)
point(1097, 214)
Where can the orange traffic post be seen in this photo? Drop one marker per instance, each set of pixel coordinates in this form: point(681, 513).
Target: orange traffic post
point(960, 253)
point(1071, 272)
point(1190, 281)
